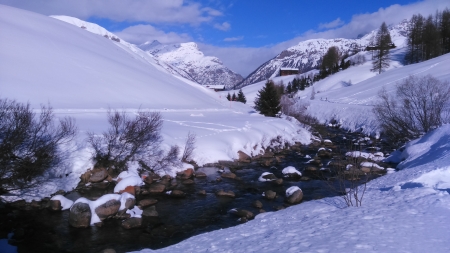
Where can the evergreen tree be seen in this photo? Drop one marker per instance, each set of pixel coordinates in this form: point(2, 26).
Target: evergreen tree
point(267, 101)
point(383, 43)
point(241, 97)
point(303, 84)
point(330, 61)
point(444, 28)
point(430, 39)
point(229, 96)
point(289, 88)
point(233, 98)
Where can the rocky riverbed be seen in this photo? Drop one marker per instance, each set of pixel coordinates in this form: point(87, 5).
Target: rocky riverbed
point(196, 201)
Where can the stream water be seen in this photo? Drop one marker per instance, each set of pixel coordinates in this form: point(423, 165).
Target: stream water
point(43, 230)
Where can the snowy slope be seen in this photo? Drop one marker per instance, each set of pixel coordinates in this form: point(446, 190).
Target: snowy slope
point(206, 70)
point(44, 60)
point(307, 54)
point(406, 211)
point(352, 104)
point(134, 50)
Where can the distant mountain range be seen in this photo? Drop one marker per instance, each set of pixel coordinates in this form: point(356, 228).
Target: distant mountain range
point(205, 70)
point(306, 55)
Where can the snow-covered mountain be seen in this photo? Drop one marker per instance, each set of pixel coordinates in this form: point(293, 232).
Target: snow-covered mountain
point(307, 54)
point(96, 29)
point(206, 70)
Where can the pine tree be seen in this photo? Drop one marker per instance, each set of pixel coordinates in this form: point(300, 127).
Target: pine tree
point(241, 97)
point(330, 60)
point(289, 88)
point(267, 101)
point(383, 43)
point(233, 98)
point(229, 97)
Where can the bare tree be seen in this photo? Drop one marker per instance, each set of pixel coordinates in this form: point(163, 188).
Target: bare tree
point(420, 105)
point(30, 143)
point(189, 147)
point(127, 140)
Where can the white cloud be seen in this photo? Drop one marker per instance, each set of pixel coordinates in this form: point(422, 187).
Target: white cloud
point(335, 23)
point(233, 39)
point(225, 26)
point(153, 11)
point(139, 34)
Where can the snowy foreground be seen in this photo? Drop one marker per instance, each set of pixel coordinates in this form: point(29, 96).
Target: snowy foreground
point(405, 211)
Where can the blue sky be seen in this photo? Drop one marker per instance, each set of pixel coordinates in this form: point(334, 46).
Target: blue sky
point(242, 33)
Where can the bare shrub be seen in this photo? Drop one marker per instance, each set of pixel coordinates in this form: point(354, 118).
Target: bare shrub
point(30, 143)
point(127, 140)
point(358, 59)
point(298, 109)
point(189, 147)
point(420, 105)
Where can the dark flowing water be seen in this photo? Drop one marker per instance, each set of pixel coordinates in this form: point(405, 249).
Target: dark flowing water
point(179, 218)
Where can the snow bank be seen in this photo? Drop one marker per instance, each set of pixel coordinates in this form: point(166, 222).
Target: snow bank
point(65, 202)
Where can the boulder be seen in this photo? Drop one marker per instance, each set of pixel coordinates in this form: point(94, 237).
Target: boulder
point(324, 153)
point(132, 223)
point(98, 175)
point(85, 177)
point(129, 203)
point(279, 181)
point(147, 202)
point(267, 176)
point(269, 194)
point(245, 214)
point(222, 193)
point(188, 182)
point(243, 157)
point(242, 213)
point(200, 175)
point(186, 174)
point(108, 209)
point(150, 212)
point(157, 188)
point(177, 194)
point(129, 189)
point(228, 175)
point(148, 180)
point(55, 205)
point(257, 204)
point(154, 176)
point(80, 215)
point(294, 195)
point(166, 177)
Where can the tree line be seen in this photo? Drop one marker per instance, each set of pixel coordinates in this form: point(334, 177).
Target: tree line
point(428, 37)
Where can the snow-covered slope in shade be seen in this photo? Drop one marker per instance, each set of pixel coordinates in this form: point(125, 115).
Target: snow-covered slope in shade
point(80, 74)
point(307, 54)
point(406, 211)
point(96, 29)
point(206, 70)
